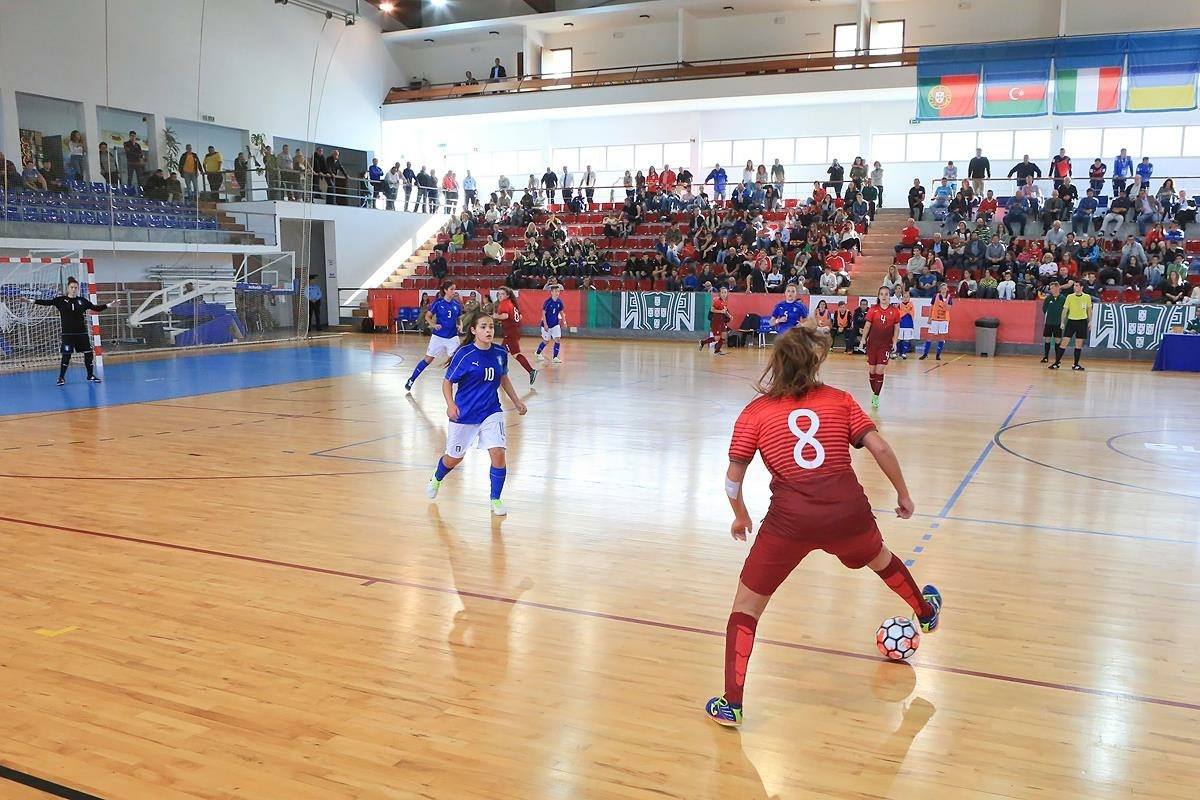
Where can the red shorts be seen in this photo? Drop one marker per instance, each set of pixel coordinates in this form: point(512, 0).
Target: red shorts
point(772, 557)
point(512, 341)
point(718, 326)
point(878, 356)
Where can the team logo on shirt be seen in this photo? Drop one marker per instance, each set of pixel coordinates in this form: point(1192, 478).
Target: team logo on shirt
point(939, 96)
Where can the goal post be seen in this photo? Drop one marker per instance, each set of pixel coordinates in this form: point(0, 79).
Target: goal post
point(31, 335)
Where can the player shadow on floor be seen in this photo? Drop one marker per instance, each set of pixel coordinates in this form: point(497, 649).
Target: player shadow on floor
point(479, 634)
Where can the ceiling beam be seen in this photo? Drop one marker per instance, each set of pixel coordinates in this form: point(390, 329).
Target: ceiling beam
point(542, 6)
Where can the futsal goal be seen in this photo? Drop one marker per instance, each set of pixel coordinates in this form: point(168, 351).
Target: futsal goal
point(31, 335)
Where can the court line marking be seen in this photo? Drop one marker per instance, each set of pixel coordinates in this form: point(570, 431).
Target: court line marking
point(649, 623)
point(966, 481)
point(43, 785)
point(944, 363)
point(1109, 444)
point(1058, 528)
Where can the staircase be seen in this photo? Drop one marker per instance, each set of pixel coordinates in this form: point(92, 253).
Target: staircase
point(409, 267)
point(226, 223)
point(878, 251)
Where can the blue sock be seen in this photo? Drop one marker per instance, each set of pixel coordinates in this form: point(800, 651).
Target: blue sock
point(940, 346)
point(421, 365)
point(902, 346)
point(441, 470)
point(541, 347)
point(556, 349)
point(497, 475)
point(925, 352)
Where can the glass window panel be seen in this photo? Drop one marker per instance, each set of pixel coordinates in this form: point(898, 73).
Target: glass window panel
point(779, 148)
point(747, 150)
point(648, 155)
point(1116, 138)
point(844, 148)
point(1162, 142)
point(958, 147)
point(996, 144)
point(887, 147)
point(811, 150)
point(620, 157)
point(677, 154)
point(530, 161)
point(715, 153)
point(1035, 144)
point(566, 157)
point(594, 156)
point(1083, 143)
point(923, 147)
point(845, 41)
point(1191, 141)
point(887, 38)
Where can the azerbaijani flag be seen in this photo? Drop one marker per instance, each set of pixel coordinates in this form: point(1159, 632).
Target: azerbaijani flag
point(1015, 78)
point(1014, 99)
point(1093, 90)
point(947, 96)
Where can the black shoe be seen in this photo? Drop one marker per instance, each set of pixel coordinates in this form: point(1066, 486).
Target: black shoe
point(1077, 368)
point(938, 357)
point(408, 385)
point(94, 379)
point(1055, 365)
point(1046, 360)
point(62, 381)
point(922, 358)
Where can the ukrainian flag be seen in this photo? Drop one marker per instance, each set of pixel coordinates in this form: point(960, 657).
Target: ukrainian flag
point(1162, 71)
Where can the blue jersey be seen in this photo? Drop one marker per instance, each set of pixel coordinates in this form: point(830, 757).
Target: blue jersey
point(553, 310)
point(477, 373)
point(791, 312)
point(445, 314)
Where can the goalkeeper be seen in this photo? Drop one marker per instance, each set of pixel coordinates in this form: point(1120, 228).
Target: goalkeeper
point(75, 336)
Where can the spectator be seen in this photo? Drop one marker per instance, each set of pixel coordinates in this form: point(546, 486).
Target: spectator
point(549, 184)
point(950, 172)
point(470, 80)
point(375, 176)
point(778, 177)
point(109, 170)
point(568, 185)
point(1016, 213)
point(77, 150)
point(497, 72)
point(829, 281)
point(32, 179)
point(1122, 171)
point(975, 253)
point(271, 164)
point(1007, 288)
point(1032, 194)
point(391, 185)
point(1089, 254)
point(893, 280)
point(1060, 167)
point(287, 176)
point(314, 295)
point(589, 184)
point(339, 180)
point(241, 173)
point(155, 187)
point(1055, 236)
point(1068, 193)
point(1145, 170)
point(409, 179)
point(870, 195)
point(836, 174)
point(1148, 211)
point(1118, 211)
point(1153, 274)
point(979, 169)
point(1174, 290)
point(994, 254)
point(1132, 254)
point(877, 180)
point(719, 180)
point(493, 252)
point(320, 170)
point(450, 191)
point(212, 169)
point(987, 207)
point(1168, 199)
point(916, 200)
point(1024, 169)
point(190, 168)
point(968, 287)
point(910, 234)
point(135, 160)
point(1081, 220)
point(1096, 175)
point(927, 282)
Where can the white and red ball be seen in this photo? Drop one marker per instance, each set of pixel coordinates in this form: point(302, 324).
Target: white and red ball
point(897, 638)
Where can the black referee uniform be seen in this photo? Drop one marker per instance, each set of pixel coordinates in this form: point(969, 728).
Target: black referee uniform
point(75, 335)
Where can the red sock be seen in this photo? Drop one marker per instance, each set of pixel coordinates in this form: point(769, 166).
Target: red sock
point(879, 384)
point(876, 384)
point(524, 362)
point(709, 340)
point(739, 641)
point(720, 341)
point(900, 581)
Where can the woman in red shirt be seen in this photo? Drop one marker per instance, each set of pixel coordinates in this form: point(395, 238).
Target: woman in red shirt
point(508, 314)
point(803, 430)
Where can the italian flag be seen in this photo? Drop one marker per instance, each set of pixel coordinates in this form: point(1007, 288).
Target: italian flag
point(1087, 91)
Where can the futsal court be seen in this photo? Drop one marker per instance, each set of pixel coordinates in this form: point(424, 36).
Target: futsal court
point(223, 579)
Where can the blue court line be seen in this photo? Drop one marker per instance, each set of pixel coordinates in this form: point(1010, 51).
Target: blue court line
point(1042, 527)
point(172, 378)
point(966, 481)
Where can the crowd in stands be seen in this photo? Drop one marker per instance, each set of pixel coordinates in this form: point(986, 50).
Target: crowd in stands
point(983, 247)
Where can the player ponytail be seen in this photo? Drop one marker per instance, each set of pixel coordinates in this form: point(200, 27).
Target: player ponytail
point(795, 360)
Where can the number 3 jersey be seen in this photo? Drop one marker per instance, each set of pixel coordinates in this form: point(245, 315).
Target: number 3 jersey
point(477, 372)
point(805, 443)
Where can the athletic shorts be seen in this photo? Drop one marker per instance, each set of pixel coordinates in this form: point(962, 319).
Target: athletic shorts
point(512, 341)
point(552, 333)
point(1076, 328)
point(939, 327)
point(908, 334)
point(1052, 331)
point(878, 356)
point(772, 557)
point(718, 326)
point(441, 346)
point(485, 435)
point(76, 343)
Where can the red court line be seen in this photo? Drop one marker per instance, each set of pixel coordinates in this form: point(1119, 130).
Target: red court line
point(649, 623)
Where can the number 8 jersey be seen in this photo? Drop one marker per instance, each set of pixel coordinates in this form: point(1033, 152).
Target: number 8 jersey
point(805, 443)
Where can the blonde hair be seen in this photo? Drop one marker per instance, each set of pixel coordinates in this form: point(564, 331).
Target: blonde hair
point(795, 360)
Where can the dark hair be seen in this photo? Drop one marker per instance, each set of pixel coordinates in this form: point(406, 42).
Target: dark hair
point(445, 285)
point(71, 280)
point(468, 335)
point(509, 293)
point(795, 360)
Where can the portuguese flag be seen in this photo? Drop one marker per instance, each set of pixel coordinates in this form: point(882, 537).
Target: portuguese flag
point(1094, 90)
point(1014, 99)
point(947, 96)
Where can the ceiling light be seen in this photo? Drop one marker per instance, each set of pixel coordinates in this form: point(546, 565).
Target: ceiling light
point(643, 16)
point(438, 3)
point(568, 24)
point(387, 8)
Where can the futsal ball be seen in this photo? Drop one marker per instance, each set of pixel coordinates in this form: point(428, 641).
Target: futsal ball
point(897, 638)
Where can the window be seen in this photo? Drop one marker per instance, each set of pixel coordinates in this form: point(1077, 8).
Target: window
point(1081, 143)
point(923, 147)
point(556, 63)
point(648, 155)
point(567, 157)
point(530, 161)
point(677, 154)
point(844, 148)
point(1191, 141)
point(887, 147)
point(1162, 141)
point(1116, 138)
point(594, 156)
point(778, 148)
point(959, 148)
point(1034, 143)
point(845, 41)
point(811, 150)
point(715, 153)
point(747, 150)
point(620, 157)
point(887, 38)
point(996, 144)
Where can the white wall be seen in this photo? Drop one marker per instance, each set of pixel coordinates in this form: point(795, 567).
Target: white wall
point(647, 43)
point(447, 63)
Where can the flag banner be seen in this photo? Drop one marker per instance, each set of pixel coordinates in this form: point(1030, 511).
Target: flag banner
point(1135, 327)
point(1162, 71)
point(1016, 76)
point(1087, 74)
point(948, 82)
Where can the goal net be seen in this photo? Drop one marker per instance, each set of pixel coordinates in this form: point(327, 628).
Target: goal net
point(31, 335)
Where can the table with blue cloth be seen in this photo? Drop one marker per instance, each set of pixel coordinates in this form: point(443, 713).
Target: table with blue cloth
point(1178, 352)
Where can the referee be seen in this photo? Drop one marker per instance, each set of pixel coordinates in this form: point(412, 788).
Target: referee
point(1052, 333)
point(1076, 313)
point(75, 337)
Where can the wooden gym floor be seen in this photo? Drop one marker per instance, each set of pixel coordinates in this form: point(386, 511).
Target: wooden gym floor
point(247, 595)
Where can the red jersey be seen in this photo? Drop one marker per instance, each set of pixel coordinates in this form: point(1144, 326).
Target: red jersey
point(805, 443)
point(512, 325)
point(719, 316)
point(883, 321)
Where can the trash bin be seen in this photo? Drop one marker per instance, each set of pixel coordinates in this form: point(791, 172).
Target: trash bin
point(985, 335)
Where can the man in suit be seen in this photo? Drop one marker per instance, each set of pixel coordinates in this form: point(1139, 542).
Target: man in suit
point(320, 170)
point(498, 72)
point(339, 180)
